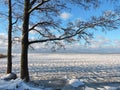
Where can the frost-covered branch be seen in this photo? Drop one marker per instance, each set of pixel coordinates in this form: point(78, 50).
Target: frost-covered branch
point(39, 4)
point(72, 31)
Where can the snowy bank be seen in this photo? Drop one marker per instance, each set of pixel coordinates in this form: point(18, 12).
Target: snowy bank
point(74, 84)
point(17, 84)
point(9, 76)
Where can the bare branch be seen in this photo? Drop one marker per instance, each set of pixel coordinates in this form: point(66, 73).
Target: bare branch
point(41, 23)
point(35, 7)
point(105, 23)
point(46, 24)
point(32, 2)
point(15, 21)
point(40, 33)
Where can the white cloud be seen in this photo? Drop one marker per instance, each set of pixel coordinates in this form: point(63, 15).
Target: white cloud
point(117, 43)
point(3, 36)
point(100, 42)
point(65, 15)
point(3, 41)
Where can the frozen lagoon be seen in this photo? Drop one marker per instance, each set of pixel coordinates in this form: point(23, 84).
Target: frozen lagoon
point(95, 70)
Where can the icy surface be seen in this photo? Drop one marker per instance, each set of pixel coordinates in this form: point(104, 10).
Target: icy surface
point(75, 83)
point(97, 71)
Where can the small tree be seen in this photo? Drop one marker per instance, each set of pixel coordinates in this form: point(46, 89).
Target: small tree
point(9, 15)
point(10, 30)
point(9, 52)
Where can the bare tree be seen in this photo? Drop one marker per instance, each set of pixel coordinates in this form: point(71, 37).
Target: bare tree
point(9, 62)
point(46, 14)
point(9, 15)
point(10, 31)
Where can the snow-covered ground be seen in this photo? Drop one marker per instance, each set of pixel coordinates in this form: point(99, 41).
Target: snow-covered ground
point(97, 71)
point(17, 84)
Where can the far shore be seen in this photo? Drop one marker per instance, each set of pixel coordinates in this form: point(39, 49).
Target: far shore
point(3, 56)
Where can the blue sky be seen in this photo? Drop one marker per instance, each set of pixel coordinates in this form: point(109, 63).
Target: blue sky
point(108, 41)
point(77, 13)
point(103, 41)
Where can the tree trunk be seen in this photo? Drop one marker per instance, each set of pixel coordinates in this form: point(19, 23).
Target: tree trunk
point(9, 58)
point(24, 53)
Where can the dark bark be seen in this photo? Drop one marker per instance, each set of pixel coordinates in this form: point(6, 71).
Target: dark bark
point(24, 53)
point(9, 52)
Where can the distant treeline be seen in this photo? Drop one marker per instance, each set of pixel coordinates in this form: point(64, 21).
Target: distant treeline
point(3, 56)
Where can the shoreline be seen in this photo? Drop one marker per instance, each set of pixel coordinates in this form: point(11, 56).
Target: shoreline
point(3, 56)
